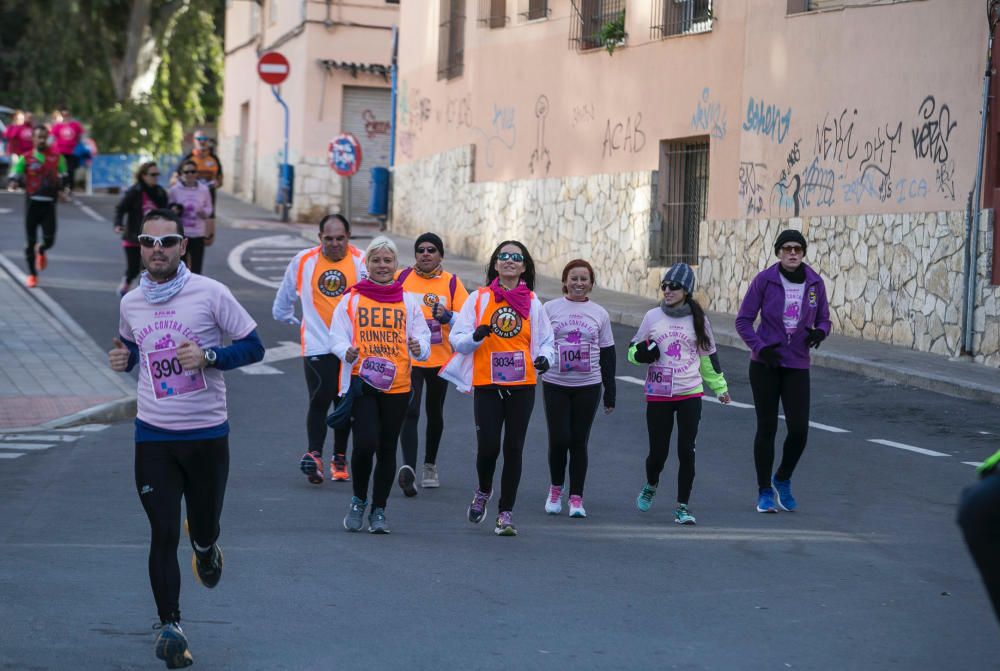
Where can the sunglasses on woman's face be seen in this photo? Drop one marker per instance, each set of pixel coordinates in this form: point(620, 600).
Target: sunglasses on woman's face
point(189, 172)
point(510, 256)
point(164, 241)
point(672, 286)
point(152, 174)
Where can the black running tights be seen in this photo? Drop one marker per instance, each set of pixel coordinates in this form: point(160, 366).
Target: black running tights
point(659, 425)
point(195, 254)
point(791, 387)
point(378, 417)
point(165, 471)
point(507, 410)
point(437, 388)
point(40, 213)
point(979, 517)
point(133, 263)
point(322, 373)
point(569, 412)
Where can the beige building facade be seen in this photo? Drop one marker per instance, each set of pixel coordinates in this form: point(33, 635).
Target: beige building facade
point(712, 125)
point(339, 55)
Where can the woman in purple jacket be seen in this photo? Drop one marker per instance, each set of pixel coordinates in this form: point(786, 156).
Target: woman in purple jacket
point(790, 298)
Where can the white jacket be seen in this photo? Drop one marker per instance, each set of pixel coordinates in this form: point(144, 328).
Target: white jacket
point(297, 284)
point(342, 333)
point(458, 370)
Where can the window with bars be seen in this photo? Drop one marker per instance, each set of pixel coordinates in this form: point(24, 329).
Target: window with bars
point(681, 197)
point(588, 20)
point(451, 39)
point(533, 10)
point(680, 17)
point(492, 13)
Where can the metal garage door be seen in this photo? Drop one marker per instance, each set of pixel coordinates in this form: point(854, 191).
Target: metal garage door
point(366, 116)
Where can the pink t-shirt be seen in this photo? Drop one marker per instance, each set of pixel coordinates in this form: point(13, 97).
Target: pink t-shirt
point(203, 312)
point(66, 134)
point(581, 330)
point(19, 139)
point(678, 370)
point(197, 200)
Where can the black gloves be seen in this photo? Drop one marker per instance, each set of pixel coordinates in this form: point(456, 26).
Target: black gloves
point(815, 337)
point(541, 364)
point(481, 332)
point(442, 314)
point(647, 352)
point(769, 355)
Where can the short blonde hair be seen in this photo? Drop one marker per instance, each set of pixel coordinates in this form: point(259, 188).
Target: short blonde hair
point(381, 242)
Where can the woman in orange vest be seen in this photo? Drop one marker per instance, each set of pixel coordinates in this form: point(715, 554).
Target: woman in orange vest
point(501, 338)
point(375, 331)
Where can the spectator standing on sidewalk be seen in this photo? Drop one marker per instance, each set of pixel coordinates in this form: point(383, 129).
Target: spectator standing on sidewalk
point(67, 132)
point(42, 175)
point(139, 200)
point(174, 328)
point(195, 205)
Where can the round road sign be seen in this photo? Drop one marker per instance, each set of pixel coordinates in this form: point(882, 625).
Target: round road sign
point(345, 154)
point(273, 68)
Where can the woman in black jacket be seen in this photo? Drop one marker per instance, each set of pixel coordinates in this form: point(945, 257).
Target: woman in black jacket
point(141, 197)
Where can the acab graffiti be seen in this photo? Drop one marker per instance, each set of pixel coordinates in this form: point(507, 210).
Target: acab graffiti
point(623, 136)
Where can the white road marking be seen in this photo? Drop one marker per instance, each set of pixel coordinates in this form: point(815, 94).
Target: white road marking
point(974, 464)
point(5, 210)
point(87, 427)
point(910, 448)
point(25, 446)
point(822, 427)
point(42, 437)
point(89, 211)
point(235, 258)
point(284, 351)
point(11, 455)
point(735, 404)
point(710, 399)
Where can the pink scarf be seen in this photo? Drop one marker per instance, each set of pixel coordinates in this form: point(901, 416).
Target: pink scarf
point(518, 298)
point(383, 293)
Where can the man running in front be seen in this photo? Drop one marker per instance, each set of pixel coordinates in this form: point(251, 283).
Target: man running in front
point(319, 277)
point(173, 326)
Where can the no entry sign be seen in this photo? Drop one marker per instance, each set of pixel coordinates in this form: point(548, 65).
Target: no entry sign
point(345, 154)
point(273, 68)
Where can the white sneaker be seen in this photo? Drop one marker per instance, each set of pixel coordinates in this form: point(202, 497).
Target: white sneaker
point(553, 503)
point(576, 506)
point(430, 477)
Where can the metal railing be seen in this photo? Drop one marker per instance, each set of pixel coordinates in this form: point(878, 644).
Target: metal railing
point(681, 202)
point(588, 19)
point(451, 39)
point(680, 17)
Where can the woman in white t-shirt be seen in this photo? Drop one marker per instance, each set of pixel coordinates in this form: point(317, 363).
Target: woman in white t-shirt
point(675, 339)
point(585, 350)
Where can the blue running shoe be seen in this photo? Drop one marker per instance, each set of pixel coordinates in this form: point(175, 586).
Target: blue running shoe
point(783, 490)
point(376, 521)
point(645, 499)
point(355, 518)
point(765, 501)
point(172, 646)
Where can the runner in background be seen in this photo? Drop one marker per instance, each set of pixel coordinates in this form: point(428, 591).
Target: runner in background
point(139, 200)
point(676, 340)
point(375, 331)
point(585, 349)
point(174, 328)
point(979, 517)
point(195, 204)
point(209, 173)
point(440, 294)
point(18, 136)
point(319, 277)
point(67, 132)
point(42, 175)
point(501, 338)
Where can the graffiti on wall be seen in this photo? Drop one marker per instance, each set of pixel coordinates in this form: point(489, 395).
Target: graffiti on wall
point(584, 113)
point(930, 135)
point(373, 127)
point(767, 120)
point(709, 116)
point(500, 134)
point(540, 160)
point(752, 187)
point(623, 136)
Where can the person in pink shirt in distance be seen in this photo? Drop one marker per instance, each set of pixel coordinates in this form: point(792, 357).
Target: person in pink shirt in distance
point(18, 135)
point(67, 132)
point(195, 201)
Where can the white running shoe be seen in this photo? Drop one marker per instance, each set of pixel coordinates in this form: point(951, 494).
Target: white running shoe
point(553, 503)
point(576, 506)
point(430, 477)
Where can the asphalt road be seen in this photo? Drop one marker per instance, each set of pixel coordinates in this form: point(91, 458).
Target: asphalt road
point(870, 573)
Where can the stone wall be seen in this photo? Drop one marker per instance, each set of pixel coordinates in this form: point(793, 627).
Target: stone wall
point(891, 278)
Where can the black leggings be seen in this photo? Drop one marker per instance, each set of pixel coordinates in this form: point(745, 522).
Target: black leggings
point(569, 412)
point(322, 373)
point(133, 263)
point(979, 517)
point(437, 388)
point(195, 254)
point(506, 409)
point(39, 213)
point(164, 472)
point(660, 424)
point(791, 387)
point(378, 417)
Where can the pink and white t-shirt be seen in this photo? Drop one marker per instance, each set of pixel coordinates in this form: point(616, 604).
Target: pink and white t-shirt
point(581, 329)
point(678, 370)
point(67, 134)
point(793, 304)
point(203, 312)
point(197, 203)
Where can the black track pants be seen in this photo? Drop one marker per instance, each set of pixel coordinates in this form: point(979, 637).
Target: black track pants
point(165, 471)
point(505, 410)
point(133, 263)
point(979, 517)
point(791, 387)
point(377, 419)
point(39, 213)
point(195, 254)
point(322, 372)
point(437, 388)
point(569, 413)
point(660, 424)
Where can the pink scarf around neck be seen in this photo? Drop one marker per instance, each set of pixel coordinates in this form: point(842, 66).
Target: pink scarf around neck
point(518, 298)
point(383, 293)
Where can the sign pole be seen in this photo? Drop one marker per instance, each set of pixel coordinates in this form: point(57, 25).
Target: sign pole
point(284, 188)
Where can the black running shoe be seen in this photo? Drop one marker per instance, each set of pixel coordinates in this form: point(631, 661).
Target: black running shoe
point(208, 566)
point(172, 646)
point(406, 479)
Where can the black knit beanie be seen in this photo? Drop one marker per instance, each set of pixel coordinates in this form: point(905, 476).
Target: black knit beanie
point(789, 235)
point(431, 238)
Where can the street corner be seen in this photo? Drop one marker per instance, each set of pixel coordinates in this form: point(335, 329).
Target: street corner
point(23, 413)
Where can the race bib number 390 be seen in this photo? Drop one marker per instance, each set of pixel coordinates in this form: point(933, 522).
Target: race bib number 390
point(507, 367)
point(169, 379)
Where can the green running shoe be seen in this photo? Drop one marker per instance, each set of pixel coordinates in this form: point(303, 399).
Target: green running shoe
point(645, 499)
point(683, 516)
